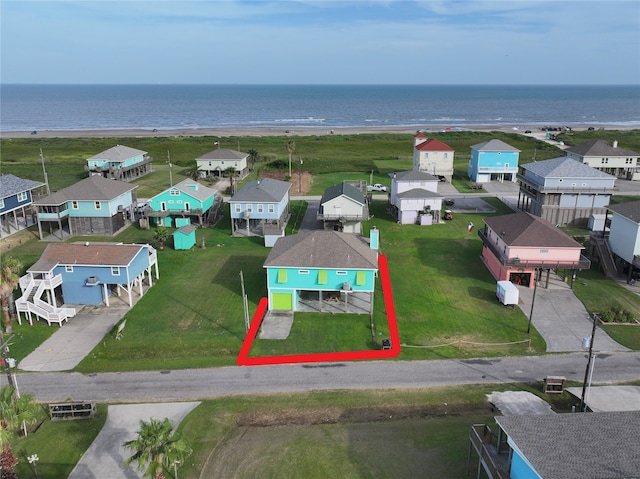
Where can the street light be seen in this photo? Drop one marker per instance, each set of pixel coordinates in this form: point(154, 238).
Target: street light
point(587, 343)
point(33, 460)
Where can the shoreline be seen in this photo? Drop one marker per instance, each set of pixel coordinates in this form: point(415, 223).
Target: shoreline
point(283, 131)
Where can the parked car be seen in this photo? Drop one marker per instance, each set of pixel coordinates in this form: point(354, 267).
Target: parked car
point(449, 202)
point(527, 131)
point(376, 187)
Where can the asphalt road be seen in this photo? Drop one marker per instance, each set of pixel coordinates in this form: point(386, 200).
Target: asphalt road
point(193, 384)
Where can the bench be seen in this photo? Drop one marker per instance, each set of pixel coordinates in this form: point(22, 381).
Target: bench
point(476, 186)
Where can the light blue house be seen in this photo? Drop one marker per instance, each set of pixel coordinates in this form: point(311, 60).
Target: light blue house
point(186, 200)
point(559, 446)
point(93, 206)
point(564, 191)
point(322, 268)
point(87, 274)
point(120, 163)
point(493, 160)
point(259, 203)
point(15, 199)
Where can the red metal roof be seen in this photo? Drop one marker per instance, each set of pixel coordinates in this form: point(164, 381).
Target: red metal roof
point(433, 145)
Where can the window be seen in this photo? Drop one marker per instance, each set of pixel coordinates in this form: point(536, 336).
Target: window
point(1, 203)
point(249, 208)
point(22, 196)
point(237, 207)
point(282, 276)
point(272, 208)
point(322, 277)
point(260, 208)
point(174, 192)
point(68, 269)
point(361, 278)
point(544, 251)
point(98, 205)
point(163, 206)
point(341, 273)
point(74, 205)
point(115, 270)
point(303, 271)
point(187, 206)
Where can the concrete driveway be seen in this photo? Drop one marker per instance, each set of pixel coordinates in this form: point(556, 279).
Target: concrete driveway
point(105, 457)
point(561, 318)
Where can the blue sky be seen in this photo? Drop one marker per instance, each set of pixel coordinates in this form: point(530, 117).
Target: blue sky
point(320, 42)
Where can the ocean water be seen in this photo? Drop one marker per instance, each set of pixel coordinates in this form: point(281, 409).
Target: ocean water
point(87, 107)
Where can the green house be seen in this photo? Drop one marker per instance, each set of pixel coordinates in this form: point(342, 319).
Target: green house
point(184, 237)
point(187, 199)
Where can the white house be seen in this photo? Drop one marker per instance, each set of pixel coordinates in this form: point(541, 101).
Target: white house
point(624, 234)
point(414, 197)
point(343, 208)
point(607, 157)
point(217, 161)
point(432, 156)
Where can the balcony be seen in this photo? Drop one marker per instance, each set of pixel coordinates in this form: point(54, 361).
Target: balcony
point(494, 459)
point(533, 187)
point(582, 263)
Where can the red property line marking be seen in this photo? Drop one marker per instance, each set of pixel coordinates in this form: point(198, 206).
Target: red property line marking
point(244, 359)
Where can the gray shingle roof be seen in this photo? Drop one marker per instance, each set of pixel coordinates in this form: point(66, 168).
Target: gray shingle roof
point(412, 175)
point(99, 254)
point(266, 190)
point(223, 154)
point(630, 210)
point(600, 148)
point(201, 193)
point(342, 189)
point(12, 185)
point(563, 167)
point(186, 229)
point(494, 145)
point(524, 229)
point(418, 193)
point(118, 153)
point(600, 445)
point(93, 188)
point(322, 249)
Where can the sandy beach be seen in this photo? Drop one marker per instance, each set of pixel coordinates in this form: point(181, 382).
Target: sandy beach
point(271, 131)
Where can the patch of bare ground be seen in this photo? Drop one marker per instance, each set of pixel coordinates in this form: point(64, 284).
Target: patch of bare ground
point(301, 181)
point(309, 417)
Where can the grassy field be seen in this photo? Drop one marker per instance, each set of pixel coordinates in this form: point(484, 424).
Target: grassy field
point(193, 316)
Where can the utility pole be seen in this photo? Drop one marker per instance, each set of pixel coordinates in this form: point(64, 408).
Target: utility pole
point(170, 174)
point(44, 171)
point(5, 359)
point(537, 276)
point(583, 404)
point(245, 304)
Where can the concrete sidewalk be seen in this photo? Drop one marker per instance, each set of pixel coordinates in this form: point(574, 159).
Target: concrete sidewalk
point(105, 457)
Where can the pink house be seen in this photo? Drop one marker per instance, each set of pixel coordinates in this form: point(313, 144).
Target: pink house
point(516, 246)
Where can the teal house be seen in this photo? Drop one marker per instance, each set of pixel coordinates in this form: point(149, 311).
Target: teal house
point(121, 163)
point(184, 237)
point(323, 271)
point(184, 203)
point(93, 206)
point(493, 160)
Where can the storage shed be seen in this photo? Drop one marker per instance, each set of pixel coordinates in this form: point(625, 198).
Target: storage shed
point(185, 237)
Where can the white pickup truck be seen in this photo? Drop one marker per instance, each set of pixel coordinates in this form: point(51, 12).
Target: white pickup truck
point(376, 187)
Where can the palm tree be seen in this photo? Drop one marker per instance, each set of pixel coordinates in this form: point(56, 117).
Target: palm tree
point(9, 280)
point(230, 173)
point(15, 413)
point(193, 172)
point(253, 157)
point(161, 235)
point(157, 448)
point(290, 146)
